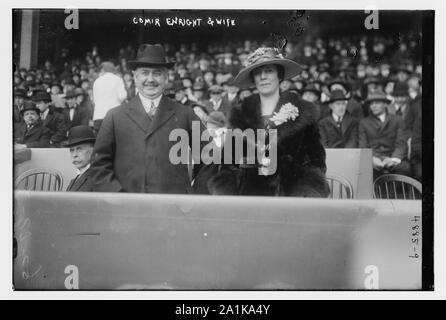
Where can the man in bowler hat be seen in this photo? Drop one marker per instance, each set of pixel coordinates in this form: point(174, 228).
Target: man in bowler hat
point(339, 129)
point(81, 142)
point(31, 133)
point(51, 118)
point(132, 147)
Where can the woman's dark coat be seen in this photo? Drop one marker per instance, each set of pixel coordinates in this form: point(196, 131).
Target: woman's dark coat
point(300, 156)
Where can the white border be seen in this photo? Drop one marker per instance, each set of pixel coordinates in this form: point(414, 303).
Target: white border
point(6, 291)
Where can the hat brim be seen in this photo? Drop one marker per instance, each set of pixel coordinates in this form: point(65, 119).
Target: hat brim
point(291, 69)
point(344, 84)
point(337, 99)
point(368, 101)
point(76, 142)
point(134, 64)
point(37, 110)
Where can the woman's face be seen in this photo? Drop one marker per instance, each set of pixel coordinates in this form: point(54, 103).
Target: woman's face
point(266, 79)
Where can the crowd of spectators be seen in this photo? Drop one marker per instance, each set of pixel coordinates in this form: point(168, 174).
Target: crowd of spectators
point(351, 81)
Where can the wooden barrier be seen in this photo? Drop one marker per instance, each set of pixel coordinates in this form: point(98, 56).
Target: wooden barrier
point(353, 164)
point(93, 241)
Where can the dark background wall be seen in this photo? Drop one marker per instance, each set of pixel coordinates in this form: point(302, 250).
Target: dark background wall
point(114, 29)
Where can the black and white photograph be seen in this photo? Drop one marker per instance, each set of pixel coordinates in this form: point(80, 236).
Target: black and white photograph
point(222, 150)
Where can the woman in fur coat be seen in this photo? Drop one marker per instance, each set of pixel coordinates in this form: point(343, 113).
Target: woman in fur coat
point(300, 166)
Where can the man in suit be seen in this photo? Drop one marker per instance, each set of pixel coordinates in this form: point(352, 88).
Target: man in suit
point(384, 134)
point(339, 129)
point(31, 133)
point(132, 150)
point(20, 97)
point(51, 119)
point(75, 115)
point(217, 101)
point(403, 107)
point(81, 142)
point(354, 108)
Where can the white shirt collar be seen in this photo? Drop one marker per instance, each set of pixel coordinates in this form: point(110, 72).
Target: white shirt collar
point(82, 170)
point(45, 113)
point(336, 117)
point(382, 117)
point(147, 103)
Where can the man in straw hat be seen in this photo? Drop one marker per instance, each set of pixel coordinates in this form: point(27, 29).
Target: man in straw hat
point(384, 134)
point(133, 146)
point(339, 129)
point(81, 141)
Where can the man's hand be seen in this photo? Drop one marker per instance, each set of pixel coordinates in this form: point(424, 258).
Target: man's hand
point(392, 162)
point(377, 163)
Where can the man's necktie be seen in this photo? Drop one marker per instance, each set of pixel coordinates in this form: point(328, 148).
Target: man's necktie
point(339, 123)
point(42, 116)
point(152, 110)
point(399, 112)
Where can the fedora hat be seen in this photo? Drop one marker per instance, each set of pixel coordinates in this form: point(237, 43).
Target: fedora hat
point(19, 92)
point(311, 88)
point(178, 85)
point(41, 96)
point(70, 94)
point(376, 96)
point(337, 95)
point(216, 89)
point(79, 92)
point(340, 81)
point(400, 89)
point(150, 55)
point(80, 134)
point(28, 106)
point(266, 56)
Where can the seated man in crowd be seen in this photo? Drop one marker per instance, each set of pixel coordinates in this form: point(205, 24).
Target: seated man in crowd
point(354, 108)
point(19, 99)
point(81, 141)
point(384, 133)
point(339, 129)
point(51, 118)
point(31, 133)
point(75, 115)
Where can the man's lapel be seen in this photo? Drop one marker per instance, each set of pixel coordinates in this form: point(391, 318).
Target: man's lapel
point(164, 111)
point(346, 123)
point(136, 112)
point(384, 124)
point(77, 184)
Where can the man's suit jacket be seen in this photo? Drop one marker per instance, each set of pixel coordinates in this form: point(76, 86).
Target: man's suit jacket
point(225, 106)
point(387, 139)
point(37, 137)
point(81, 116)
point(83, 183)
point(17, 117)
point(131, 152)
point(56, 122)
point(345, 136)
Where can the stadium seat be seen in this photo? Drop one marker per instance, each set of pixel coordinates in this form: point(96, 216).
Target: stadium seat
point(395, 186)
point(340, 188)
point(40, 180)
